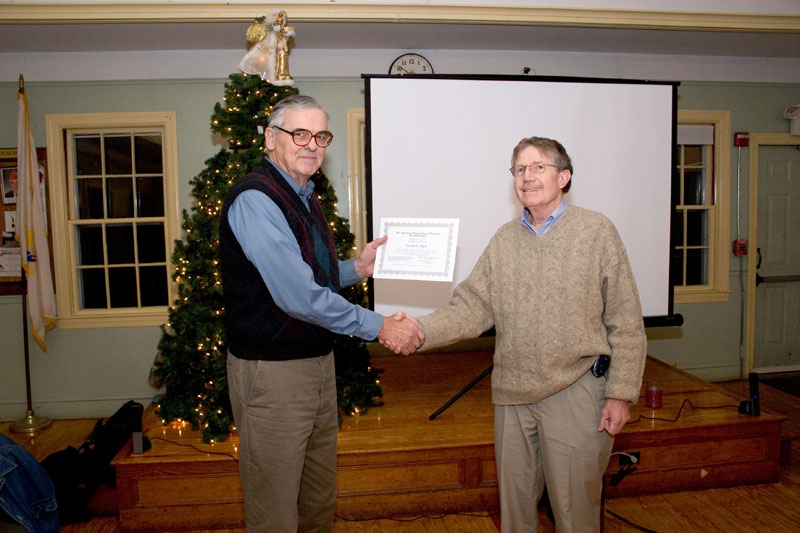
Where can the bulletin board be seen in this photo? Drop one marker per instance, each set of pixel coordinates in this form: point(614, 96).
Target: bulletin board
point(10, 281)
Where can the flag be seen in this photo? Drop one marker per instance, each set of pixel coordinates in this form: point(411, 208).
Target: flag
point(31, 230)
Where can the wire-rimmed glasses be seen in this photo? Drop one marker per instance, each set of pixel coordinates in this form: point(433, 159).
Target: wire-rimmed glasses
point(536, 168)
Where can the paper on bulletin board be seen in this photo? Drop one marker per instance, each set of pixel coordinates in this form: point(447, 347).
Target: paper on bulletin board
point(10, 264)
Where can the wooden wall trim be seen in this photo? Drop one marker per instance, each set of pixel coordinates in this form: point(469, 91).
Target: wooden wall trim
point(110, 12)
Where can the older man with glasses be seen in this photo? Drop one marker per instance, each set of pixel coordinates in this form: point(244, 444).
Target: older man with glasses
point(280, 277)
point(557, 287)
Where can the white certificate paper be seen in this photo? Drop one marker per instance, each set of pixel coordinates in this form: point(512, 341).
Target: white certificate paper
point(418, 249)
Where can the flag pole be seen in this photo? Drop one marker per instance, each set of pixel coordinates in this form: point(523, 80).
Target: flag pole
point(31, 423)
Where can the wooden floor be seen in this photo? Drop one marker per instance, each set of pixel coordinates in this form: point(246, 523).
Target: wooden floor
point(759, 508)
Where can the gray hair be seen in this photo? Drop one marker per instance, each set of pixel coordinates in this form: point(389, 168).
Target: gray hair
point(296, 101)
point(549, 147)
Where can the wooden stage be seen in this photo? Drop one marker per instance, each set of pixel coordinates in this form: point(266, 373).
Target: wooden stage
point(394, 461)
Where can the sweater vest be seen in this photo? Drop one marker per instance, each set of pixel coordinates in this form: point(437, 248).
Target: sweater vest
point(256, 327)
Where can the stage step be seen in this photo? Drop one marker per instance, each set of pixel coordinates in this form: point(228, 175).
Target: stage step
point(393, 461)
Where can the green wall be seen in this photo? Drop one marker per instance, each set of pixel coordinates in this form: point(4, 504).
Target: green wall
point(91, 372)
point(709, 342)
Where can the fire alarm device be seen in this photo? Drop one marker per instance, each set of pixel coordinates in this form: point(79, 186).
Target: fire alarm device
point(740, 247)
point(741, 138)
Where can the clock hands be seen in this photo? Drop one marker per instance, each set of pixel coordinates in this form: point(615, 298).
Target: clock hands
point(410, 64)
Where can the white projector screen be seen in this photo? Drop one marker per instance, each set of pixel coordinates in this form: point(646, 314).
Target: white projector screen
point(440, 147)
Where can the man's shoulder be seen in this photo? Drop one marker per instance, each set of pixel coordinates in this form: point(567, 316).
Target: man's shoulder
point(584, 224)
point(587, 216)
point(505, 238)
point(261, 177)
point(583, 212)
point(262, 169)
point(508, 229)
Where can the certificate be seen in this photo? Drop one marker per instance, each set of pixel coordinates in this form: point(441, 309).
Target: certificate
point(418, 249)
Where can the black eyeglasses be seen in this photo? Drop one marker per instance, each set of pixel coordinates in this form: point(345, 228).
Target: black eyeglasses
point(302, 137)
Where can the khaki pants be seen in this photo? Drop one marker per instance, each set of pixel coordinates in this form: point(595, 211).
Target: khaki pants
point(286, 416)
point(554, 442)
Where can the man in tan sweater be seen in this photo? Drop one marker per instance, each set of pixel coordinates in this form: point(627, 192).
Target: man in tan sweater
point(559, 291)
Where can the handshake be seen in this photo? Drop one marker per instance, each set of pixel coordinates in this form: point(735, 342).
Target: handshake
point(401, 333)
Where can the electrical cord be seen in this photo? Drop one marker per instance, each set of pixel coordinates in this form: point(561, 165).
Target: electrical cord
point(632, 524)
point(624, 470)
point(192, 446)
point(615, 479)
point(620, 475)
point(412, 518)
point(630, 456)
point(642, 417)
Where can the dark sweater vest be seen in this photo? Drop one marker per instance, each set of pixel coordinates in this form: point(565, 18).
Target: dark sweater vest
point(256, 327)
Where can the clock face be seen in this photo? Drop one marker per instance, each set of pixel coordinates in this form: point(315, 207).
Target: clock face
point(411, 64)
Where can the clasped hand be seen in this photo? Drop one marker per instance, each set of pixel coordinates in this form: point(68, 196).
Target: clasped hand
point(401, 333)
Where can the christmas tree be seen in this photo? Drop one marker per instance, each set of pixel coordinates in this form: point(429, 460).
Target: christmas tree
point(192, 351)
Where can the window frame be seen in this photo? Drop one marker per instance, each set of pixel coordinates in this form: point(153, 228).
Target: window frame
point(356, 148)
point(717, 288)
point(70, 315)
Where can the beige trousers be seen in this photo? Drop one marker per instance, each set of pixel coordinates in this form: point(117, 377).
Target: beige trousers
point(553, 442)
point(286, 416)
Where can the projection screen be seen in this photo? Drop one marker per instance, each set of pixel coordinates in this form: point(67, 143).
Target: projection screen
point(440, 147)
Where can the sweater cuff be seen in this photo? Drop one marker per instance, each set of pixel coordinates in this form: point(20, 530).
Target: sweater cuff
point(628, 394)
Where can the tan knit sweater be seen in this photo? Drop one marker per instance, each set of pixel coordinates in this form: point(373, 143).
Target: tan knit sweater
point(556, 302)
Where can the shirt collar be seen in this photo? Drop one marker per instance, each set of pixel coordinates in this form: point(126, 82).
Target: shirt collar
point(304, 193)
point(549, 222)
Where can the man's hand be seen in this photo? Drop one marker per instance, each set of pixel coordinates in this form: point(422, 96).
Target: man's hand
point(365, 263)
point(401, 333)
point(614, 416)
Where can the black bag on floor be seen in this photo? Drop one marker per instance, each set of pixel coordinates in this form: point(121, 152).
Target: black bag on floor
point(69, 472)
point(76, 473)
point(107, 440)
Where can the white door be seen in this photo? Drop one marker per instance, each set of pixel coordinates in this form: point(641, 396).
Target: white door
point(777, 339)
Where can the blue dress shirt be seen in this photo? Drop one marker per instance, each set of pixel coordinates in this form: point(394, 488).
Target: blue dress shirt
point(268, 242)
point(549, 222)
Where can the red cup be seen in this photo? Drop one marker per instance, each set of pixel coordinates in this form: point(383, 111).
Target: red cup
point(653, 395)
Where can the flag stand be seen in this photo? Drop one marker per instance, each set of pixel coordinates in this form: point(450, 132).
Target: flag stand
point(31, 423)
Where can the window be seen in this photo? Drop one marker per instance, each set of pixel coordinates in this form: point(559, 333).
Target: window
point(701, 258)
point(114, 210)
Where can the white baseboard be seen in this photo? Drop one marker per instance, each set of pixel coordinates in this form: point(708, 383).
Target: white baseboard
point(104, 408)
point(776, 369)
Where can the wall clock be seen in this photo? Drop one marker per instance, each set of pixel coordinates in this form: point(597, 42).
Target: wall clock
point(411, 64)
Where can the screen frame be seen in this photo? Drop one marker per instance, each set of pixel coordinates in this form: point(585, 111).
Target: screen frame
point(668, 319)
